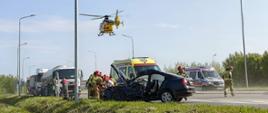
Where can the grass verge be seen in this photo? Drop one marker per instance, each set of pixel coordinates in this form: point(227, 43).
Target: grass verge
point(28, 104)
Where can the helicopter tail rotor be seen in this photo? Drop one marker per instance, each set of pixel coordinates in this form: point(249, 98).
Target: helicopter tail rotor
point(117, 19)
point(122, 23)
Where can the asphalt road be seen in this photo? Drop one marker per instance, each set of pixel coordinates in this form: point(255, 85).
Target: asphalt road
point(241, 98)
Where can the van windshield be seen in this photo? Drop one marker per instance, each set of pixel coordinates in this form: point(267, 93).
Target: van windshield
point(141, 68)
point(211, 74)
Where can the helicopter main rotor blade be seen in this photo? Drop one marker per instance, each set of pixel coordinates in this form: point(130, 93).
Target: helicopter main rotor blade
point(91, 15)
point(97, 18)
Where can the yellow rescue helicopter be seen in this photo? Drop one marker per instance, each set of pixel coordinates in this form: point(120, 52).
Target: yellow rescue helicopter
point(106, 27)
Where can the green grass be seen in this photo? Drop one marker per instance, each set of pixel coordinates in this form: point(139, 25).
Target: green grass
point(26, 104)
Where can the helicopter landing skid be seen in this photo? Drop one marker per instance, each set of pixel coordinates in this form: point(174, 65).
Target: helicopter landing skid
point(100, 34)
point(110, 34)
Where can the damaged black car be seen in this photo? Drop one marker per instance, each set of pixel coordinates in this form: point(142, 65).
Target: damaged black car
point(148, 85)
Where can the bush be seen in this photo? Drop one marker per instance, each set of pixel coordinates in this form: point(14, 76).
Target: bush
point(7, 84)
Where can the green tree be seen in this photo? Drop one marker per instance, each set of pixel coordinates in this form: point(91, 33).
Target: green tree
point(264, 66)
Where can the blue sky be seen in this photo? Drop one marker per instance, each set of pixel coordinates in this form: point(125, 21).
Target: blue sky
point(169, 31)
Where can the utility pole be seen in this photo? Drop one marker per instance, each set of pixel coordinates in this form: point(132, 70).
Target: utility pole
point(244, 45)
point(132, 42)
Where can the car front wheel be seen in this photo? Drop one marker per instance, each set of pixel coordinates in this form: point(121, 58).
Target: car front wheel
point(167, 97)
point(179, 99)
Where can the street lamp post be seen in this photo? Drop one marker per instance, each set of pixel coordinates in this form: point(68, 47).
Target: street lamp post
point(22, 69)
point(23, 63)
point(75, 49)
point(30, 70)
point(132, 42)
point(23, 44)
point(213, 59)
point(244, 45)
point(95, 58)
point(19, 51)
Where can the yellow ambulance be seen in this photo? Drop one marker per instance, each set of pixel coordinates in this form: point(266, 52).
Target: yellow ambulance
point(132, 67)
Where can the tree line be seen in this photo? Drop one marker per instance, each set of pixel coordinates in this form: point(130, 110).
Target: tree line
point(257, 66)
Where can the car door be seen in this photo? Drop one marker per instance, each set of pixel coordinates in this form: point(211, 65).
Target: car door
point(136, 88)
point(154, 85)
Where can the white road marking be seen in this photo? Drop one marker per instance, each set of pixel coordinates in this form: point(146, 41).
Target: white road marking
point(248, 102)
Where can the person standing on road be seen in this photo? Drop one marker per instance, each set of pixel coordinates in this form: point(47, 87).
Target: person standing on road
point(95, 83)
point(228, 80)
point(65, 88)
point(181, 71)
point(98, 86)
point(56, 85)
point(88, 85)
